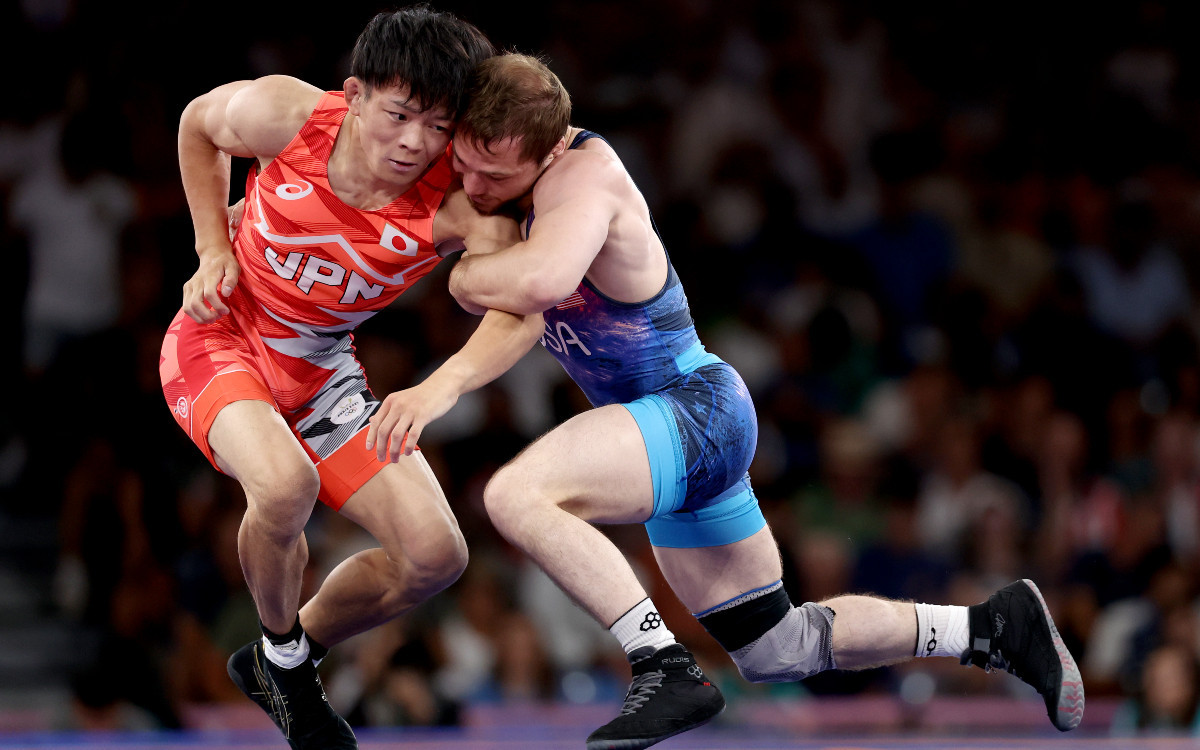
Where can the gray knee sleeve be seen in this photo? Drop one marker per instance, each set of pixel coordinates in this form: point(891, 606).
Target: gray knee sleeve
point(800, 645)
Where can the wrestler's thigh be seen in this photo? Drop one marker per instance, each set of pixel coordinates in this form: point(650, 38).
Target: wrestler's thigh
point(703, 577)
point(251, 442)
point(594, 465)
point(402, 505)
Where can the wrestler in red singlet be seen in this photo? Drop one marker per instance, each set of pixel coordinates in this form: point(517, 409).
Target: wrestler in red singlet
point(313, 268)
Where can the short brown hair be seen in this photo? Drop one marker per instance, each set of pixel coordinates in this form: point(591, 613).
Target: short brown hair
point(516, 96)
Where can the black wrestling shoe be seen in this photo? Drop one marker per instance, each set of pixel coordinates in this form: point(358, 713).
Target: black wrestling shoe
point(293, 698)
point(669, 695)
point(1013, 631)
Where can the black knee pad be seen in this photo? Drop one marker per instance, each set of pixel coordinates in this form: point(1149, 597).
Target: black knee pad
point(746, 622)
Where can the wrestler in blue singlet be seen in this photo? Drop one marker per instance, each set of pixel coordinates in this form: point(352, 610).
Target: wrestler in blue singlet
point(693, 409)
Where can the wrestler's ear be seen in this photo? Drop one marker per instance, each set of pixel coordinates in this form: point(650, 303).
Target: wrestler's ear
point(356, 93)
point(555, 152)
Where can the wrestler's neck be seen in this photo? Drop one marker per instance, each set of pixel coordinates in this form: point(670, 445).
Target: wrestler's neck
point(526, 202)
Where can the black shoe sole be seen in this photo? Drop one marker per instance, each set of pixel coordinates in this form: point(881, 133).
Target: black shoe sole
point(643, 742)
point(1066, 713)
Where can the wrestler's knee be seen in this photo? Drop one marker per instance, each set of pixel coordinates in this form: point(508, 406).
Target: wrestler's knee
point(281, 495)
point(798, 646)
point(507, 496)
point(434, 561)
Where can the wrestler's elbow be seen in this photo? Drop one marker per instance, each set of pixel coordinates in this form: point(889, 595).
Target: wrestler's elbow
point(461, 292)
point(542, 292)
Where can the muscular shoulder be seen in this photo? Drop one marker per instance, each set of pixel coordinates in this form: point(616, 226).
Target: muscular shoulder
point(579, 177)
point(268, 112)
point(576, 174)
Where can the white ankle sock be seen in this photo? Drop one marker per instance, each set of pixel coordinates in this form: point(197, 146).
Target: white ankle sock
point(642, 626)
point(287, 655)
point(941, 630)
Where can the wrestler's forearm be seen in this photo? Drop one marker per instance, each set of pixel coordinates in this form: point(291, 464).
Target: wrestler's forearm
point(496, 345)
point(503, 280)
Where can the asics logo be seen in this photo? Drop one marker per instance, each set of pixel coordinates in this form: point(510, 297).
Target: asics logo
point(651, 622)
point(290, 192)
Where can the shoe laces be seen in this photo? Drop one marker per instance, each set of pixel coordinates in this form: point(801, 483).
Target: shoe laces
point(643, 687)
point(275, 699)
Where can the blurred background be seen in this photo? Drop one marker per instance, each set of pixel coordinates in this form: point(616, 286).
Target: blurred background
point(950, 246)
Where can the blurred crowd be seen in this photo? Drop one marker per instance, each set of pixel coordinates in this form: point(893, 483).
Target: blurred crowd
point(950, 247)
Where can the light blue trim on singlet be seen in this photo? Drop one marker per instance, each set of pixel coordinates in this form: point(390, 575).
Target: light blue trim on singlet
point(660, 433)
point(732, 516)
point(694, 358)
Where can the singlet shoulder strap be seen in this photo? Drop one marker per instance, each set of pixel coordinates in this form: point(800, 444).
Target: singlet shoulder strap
point(583, 136)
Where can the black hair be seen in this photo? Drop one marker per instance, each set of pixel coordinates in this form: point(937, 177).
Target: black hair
point(432, 52)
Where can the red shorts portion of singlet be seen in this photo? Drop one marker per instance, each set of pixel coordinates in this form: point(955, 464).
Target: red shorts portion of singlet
point(323, 396)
